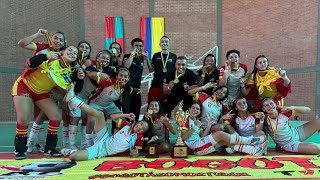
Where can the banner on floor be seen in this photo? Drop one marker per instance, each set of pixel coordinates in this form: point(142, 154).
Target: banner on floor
point(204, 167)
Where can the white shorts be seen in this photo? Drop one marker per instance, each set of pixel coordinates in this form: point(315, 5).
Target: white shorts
point(98, 150)
point(298, 137)
point(74, 111)
point(203, 146)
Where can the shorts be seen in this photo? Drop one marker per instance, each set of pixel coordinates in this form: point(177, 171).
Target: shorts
point(298, 137)
point(74, 111)
point(21, 89)
point(107, 109)
point(98, 150)
point(203, 146)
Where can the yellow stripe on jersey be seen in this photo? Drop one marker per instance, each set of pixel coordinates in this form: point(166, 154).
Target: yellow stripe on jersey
point(48, 75)
point(14, 90)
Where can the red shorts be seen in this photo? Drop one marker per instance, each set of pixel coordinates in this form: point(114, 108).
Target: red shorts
point(21, 89)
point(155, 94)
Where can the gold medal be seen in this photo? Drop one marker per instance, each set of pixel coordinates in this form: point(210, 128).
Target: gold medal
point(176, 81)
point(164, 63)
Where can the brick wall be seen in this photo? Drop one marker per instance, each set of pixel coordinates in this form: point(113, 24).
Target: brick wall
point(20, 19)
point(285, 31)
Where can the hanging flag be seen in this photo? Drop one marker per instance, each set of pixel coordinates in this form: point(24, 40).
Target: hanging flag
point(151, 30)
point(114, 31)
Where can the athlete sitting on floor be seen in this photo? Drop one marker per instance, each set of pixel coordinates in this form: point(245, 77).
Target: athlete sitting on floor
point(106, 144)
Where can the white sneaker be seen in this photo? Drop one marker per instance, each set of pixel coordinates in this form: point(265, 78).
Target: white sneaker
point(70, 94)
point(230, 150)
point(257, 140)
point(30, 148)
point(259, 149)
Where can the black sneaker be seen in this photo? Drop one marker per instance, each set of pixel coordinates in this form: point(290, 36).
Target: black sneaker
point(20, 156)
point(53, 153)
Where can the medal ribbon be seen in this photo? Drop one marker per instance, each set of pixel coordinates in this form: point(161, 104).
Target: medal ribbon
point(164, 63)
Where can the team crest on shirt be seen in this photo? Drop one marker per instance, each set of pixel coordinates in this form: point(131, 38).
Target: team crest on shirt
point(110, 93)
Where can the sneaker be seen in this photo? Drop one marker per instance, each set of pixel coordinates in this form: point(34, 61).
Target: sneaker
point(40, 148)
point(65, 151)
point(259, 150)
point(70, 94)
point(257, 140)
point(30, 148)
point(230, 150)
point(20, 156)
point(53, 153)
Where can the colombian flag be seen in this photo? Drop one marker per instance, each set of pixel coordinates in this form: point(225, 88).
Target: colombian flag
point(151, 30)
point(114, 31)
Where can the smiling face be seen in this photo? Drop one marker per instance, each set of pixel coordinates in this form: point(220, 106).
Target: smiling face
point(181, 65)
point(262, 64)
point(84, 47)
point(141, 127)
point(58, 41)
point(221, 93)
point(234, 58)
point(269, 106)
point(194, 110)
point(154, 106)
point(165, 43)
point(123, 77)
point(241, 105)
point(210, 62)
point(70, 54)
point(104, 59)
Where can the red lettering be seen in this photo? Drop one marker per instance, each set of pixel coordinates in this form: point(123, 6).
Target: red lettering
point(159, 164)
point(214, 164)
point(251, 163)
point(302, 162)
point(120, 165)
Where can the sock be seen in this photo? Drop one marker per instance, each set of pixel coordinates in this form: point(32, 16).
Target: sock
point(76, 101)
point(252, 150)
point(21, 130)
point(41, 136)
point(236, 139)
point(33, 136)
point(73, 134)
point(83, 137)
point(65, 136)
point(89, 139)
point(53, 127)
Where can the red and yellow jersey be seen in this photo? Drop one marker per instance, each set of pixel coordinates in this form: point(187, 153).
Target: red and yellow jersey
point(269, 85)
point(40, 48)
point(48, 75)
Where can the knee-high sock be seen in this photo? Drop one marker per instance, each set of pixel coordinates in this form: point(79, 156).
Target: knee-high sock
point(65, 136)
point(73, 134)
point(52, 137)
point(20, 141)
point(236, 139)
point(41, 136)
point(83, 137)
point(33, 136)
point(89, 138)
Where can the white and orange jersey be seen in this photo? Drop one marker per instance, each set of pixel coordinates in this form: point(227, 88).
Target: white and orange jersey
point(245, 127)
point(120, 142)
point(107, 93)
point(279, 128)
point(211, 108)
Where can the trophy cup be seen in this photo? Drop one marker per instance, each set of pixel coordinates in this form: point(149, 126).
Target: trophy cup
point(179, 150)
point(152, 152)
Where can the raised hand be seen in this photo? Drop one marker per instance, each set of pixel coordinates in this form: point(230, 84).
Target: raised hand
point(42, 32)
point(53, 55)
point(227, 116)
point(105, 76)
